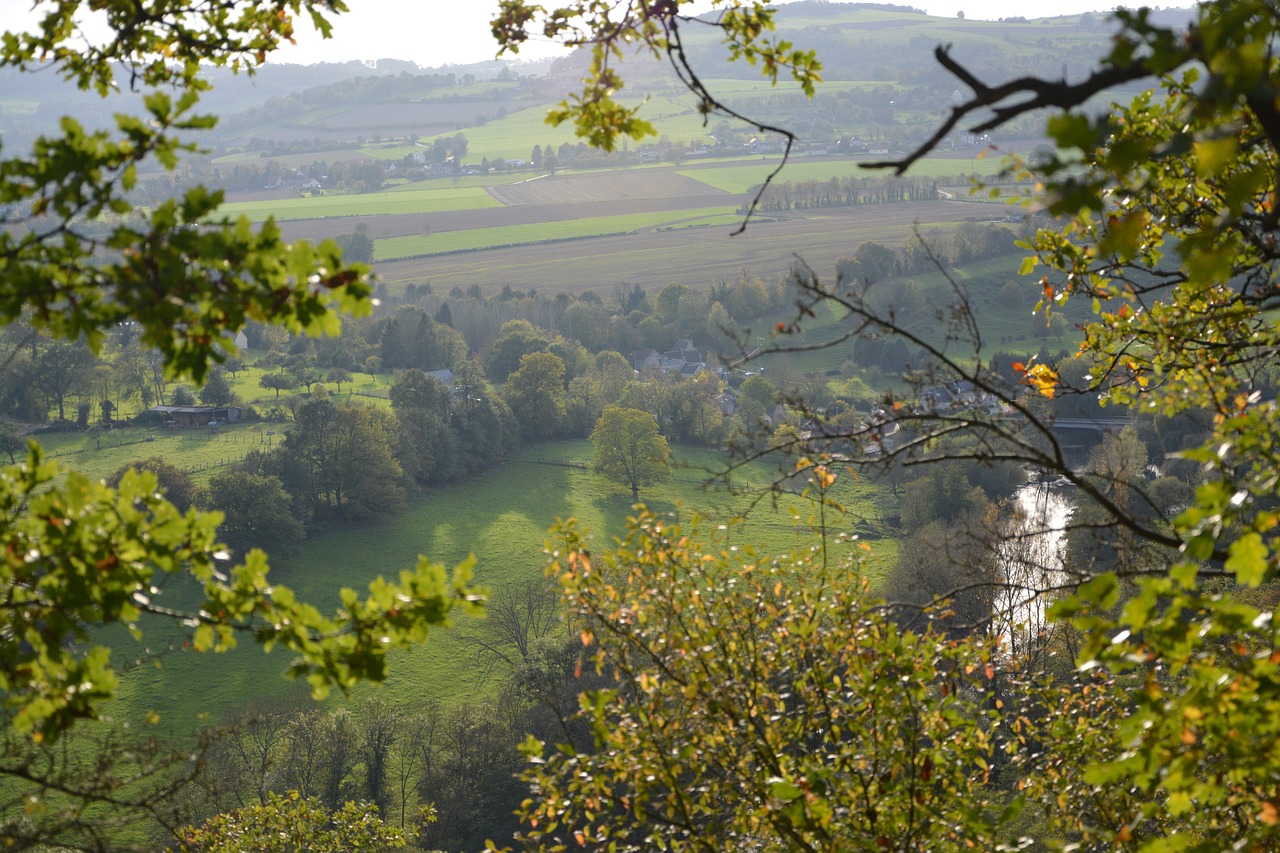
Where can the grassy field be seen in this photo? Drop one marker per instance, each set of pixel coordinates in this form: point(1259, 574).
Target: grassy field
point(741, 178)
point(502, 518)
point(198, 451)
point(395, 248)
point(414, 198)
point(513, 136)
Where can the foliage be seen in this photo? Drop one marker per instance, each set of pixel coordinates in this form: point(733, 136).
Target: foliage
point(282, 381)
point(536, 395)
point(598, 117)
point(758, 704)
point(516, 339)
point(78, 259)
point(339, 458)
point(176, 484)
point(217, 391)
point(255, 514)
point(1169, 234)
point(84, 555)
point(629, 449)
point(287, 823)
point(59, 369)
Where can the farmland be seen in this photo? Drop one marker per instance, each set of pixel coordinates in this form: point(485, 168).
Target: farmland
point(415, 200)
point(696, 256)
point(647, 224)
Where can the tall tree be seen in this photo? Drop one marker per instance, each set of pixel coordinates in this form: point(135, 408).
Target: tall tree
point(343, 459)
point(60, 369)
point(536, 395)
point(629, 449)
point(256, 514)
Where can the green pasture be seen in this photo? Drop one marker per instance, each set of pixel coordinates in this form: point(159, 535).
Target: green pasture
point(297, 160)
point(198, 450)
point(394, 151)
point(513, 136)
point(503, 519)
point(419, 245)
point(414, 198)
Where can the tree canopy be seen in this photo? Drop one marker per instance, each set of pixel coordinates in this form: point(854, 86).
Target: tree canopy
point(629, 449)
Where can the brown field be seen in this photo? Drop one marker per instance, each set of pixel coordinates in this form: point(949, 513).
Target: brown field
point(656, 183)
point(697, 257)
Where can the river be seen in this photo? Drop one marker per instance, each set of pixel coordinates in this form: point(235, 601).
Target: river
point(1031, 556)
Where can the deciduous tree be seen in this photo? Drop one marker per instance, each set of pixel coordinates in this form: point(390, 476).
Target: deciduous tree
point(343, 461)
point(536, 395)
point(255, 514)
point(282, 381)
point(629, 449)
point(759, 705)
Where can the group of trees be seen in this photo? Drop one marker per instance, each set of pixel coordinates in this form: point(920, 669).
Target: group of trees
point(443, 776)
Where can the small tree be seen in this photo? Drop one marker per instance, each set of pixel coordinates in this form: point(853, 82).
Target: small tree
point(179, 489)
point(11, 444)
point(307, 376)
point(629, 448)
point(288, 823)
point(234, 365)
point(760, 705)
point(217, 391)
point(278, 382)
point(337, 376)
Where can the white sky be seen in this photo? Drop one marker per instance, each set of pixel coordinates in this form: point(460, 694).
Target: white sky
point(439, 32)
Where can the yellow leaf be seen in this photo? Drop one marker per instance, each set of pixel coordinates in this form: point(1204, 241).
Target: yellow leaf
point(1043, 378)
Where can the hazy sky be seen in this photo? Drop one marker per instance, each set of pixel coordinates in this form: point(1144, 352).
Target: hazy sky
point(438, 32)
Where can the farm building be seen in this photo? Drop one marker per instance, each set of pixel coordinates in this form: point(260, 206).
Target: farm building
point(189, 416)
